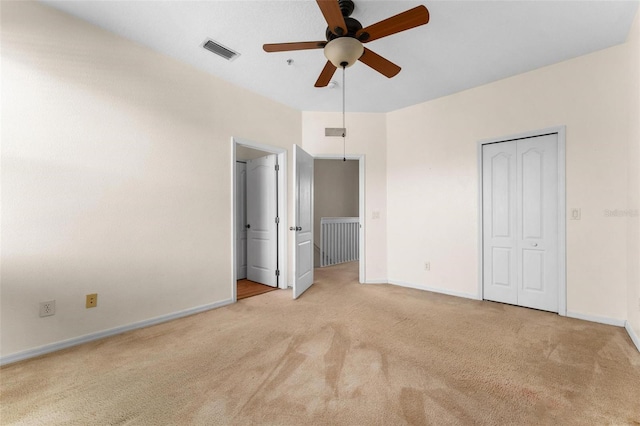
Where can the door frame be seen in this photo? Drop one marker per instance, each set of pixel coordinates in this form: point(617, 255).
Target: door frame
point(238, 165)
point(562, 208)
point(361, 205)
point(282, 210)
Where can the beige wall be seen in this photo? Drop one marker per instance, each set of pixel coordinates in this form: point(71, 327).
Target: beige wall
point(116, 177)
point(366, 136)
point(335, 193)
point(633, 158)
point(432, 172)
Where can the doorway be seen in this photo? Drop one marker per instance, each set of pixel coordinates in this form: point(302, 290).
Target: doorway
point(359, 209)
point(303, 190)
point(259, 239)
point(522, 220)
point(336, 212)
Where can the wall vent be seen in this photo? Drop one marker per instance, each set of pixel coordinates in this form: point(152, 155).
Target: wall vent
point(220, 50)
point(335, 131)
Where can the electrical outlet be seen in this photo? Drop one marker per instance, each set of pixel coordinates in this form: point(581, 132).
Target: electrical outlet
point(47, 308)
point(92, 300)
point(427, 266)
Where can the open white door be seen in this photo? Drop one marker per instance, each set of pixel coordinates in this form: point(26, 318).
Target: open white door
point(303, 221)
point(262, 227)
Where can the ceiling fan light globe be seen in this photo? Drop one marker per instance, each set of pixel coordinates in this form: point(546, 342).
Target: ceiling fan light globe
point(343, 50)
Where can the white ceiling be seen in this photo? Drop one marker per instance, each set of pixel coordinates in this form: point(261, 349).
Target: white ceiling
point(466, 43)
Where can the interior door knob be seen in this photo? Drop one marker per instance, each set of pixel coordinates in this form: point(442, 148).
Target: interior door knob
point(298, 228)
point(248, 225)
point(534, 244)
point(292, 228)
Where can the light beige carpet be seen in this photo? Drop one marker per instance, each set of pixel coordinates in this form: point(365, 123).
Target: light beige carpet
point(343, 353)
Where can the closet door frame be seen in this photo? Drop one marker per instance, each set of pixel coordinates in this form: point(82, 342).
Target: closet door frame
point(562, 258)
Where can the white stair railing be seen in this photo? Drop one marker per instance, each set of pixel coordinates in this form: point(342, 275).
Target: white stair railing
point(339, 240)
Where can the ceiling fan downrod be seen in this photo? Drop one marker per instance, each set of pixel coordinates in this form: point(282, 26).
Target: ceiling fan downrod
point(346, 7)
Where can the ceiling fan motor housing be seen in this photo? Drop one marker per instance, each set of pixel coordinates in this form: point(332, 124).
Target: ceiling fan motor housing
point(353, 26)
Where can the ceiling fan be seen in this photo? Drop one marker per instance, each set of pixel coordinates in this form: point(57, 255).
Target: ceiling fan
point(345, 36)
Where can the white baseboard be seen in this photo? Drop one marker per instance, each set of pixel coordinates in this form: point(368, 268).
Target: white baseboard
point(594, 318)
point(634, 337)
point(434, 289)
point(52, 347)
point(376, 282)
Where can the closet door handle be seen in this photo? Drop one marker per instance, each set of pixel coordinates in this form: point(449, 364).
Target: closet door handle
point(534, 244)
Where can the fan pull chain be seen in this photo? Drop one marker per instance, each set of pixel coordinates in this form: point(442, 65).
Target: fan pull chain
point(344, 128)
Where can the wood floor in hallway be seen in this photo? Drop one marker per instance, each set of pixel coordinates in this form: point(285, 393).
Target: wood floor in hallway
point(246, 288)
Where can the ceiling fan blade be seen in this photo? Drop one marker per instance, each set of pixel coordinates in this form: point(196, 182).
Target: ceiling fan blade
point(411, 18)
point(325, 75)
point(302, 45)
point(333, 15)
point(378, 63)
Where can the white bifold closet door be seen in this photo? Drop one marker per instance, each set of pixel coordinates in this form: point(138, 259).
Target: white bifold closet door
point(520, 222)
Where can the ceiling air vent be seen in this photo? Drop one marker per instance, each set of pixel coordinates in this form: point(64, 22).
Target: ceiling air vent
point(220, 50)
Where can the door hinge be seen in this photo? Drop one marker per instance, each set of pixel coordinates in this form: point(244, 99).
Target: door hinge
point(277, 219)
point(277, 272)
point(277, 167)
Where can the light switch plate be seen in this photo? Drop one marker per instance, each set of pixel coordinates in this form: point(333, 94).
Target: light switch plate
point(575, 214)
